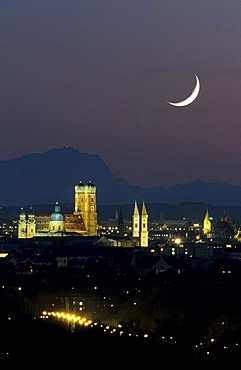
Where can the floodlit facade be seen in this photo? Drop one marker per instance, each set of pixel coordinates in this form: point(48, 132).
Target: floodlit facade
point(207, 226)
point(83, 221)
point(85, 206)
point(140, 224)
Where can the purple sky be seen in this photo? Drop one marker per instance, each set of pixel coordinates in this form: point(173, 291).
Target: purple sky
point(96, 75)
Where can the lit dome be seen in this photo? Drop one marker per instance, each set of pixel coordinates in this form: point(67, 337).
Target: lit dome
point(57, 215)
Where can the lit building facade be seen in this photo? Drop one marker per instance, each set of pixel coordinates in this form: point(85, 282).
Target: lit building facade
point(207, 226)
point(85, 206)
point(83, 221)
point(140, 224)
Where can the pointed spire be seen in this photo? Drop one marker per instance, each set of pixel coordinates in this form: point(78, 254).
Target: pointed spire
point(143, 209)
point(144, 226)
point(207, 226)
point(135, 221)
point(136, 211)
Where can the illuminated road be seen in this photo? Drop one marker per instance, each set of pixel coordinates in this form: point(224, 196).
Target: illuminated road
point(73, 320)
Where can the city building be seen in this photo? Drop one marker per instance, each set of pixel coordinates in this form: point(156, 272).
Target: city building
point(207, 225)
point(83, 221)
point(140, 224)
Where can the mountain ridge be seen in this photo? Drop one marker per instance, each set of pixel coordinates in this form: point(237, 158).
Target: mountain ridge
point(43, 178)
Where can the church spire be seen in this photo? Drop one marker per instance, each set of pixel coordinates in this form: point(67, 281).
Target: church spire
point(207, 226)
point(143, 209)
point(22, 224)
point(144, 226)
point(135, 221)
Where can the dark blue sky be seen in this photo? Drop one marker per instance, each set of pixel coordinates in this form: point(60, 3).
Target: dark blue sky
point(97, 74)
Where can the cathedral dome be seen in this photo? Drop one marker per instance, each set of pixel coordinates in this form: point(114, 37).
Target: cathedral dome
point(57, 215)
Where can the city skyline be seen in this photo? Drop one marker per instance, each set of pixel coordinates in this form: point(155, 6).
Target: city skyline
point(97, 76)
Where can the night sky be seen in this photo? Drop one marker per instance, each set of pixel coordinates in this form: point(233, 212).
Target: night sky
point(96, 75)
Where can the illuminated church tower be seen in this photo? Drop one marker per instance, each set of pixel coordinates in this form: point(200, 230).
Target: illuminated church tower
point(85, 205)
point(31, 224)
point(22, 225)
point(140, 225)
point(144, 226)
point(135, 221)
point(207, 226)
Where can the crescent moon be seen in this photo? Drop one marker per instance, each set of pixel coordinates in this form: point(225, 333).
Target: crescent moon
point(191, 97)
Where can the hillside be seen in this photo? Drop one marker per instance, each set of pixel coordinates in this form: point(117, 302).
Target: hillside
point(43, 178)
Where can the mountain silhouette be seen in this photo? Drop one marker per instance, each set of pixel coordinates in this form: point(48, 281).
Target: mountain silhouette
point(44, 178)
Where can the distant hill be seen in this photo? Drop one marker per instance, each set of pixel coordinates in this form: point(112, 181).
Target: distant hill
point(44, 178)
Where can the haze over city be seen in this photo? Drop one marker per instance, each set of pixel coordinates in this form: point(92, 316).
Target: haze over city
point(98, 75)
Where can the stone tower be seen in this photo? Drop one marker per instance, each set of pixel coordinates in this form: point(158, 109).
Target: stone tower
point(140, 224)
point(207, 226)
point(31, 224)
point(22, 225)
point(144, 226)
point(135, 221)
point(85, 205)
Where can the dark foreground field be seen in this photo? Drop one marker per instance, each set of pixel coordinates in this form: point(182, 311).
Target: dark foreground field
point(35, 344)
point(194, 321)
